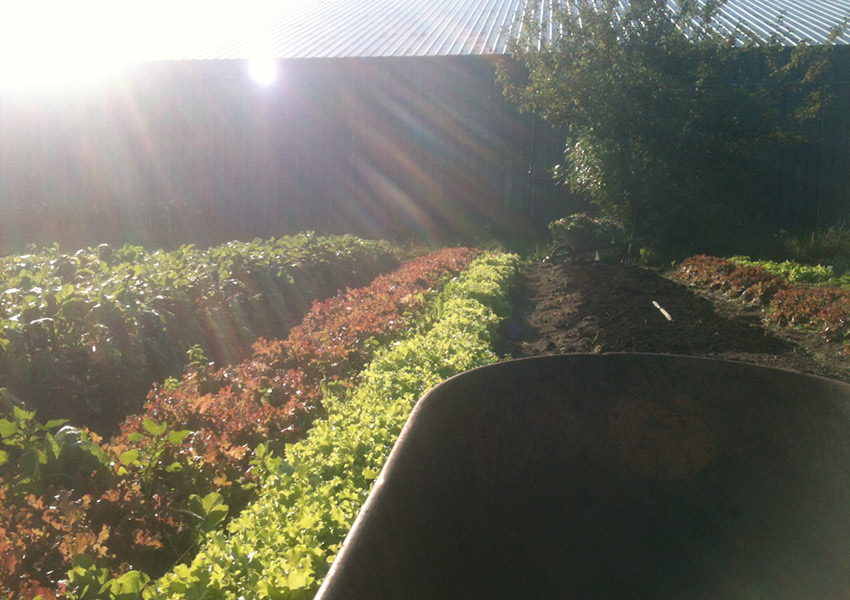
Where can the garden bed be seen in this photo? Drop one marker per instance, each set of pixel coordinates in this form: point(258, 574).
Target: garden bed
point(600, 307)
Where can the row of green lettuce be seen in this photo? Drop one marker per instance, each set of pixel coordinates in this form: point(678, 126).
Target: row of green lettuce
point(796, 272)
point(282, 545)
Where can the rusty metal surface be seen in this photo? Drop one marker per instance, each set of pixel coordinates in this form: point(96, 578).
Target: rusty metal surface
point(611, 476)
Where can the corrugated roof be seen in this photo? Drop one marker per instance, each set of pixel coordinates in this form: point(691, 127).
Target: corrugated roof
point(360, 28)
point(371, 28)
point(209, 29)
point(798, 20)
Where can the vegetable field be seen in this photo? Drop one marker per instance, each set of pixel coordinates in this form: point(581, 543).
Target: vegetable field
point(792, 295)
point(83, 335)
point(294, 431)
point(207, 424)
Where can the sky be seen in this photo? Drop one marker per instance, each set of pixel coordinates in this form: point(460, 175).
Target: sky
point(59, 42)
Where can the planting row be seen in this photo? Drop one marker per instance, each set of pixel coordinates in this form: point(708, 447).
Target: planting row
point(796, 272)
point(133, 507)
point(83, 335)
point(282, 545)
point(823, 308)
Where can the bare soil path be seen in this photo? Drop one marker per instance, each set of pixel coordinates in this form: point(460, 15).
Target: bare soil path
point(593, 307)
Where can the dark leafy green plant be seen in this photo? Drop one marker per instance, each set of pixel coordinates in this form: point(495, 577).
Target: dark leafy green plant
point(83, 335)
point(86, 581)
point(36, 457)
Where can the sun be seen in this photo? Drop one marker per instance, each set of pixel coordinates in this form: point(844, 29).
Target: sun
point(81, 42)
point(263, 70)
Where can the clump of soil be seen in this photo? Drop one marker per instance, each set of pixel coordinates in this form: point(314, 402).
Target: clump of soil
point(595, 307)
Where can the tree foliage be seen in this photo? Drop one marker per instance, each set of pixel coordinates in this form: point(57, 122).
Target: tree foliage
point(667, 112)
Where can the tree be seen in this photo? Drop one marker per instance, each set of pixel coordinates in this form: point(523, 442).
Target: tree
point(666, 113)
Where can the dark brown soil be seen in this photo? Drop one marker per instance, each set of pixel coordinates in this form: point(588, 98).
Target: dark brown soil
point(594, 307)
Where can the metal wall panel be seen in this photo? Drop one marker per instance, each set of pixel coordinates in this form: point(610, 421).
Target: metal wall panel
point(193, 152)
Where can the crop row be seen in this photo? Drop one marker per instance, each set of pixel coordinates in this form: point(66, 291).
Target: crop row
point(282, 545)
point(83, 335)
point(140, 502)
point(796, 272)
point(822, 308)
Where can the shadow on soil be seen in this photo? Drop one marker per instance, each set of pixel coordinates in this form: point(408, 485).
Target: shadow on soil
point(595, 307)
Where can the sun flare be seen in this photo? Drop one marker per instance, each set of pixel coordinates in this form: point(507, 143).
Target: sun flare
point(55, 42)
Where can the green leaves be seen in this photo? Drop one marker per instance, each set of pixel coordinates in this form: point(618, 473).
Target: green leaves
point(85, 580)
point(34, 458)
point(792, 271)
point(152, 428)
point(64, 293)
point(282, 545)
point(88, 582)
point(8, 428)
point(130, 457)
point(211, 509)
point(175, 438)
point(79, 331)
point(669, 111)
point(127, 587)
point(181, 469)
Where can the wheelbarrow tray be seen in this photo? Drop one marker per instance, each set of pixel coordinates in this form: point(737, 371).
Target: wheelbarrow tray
point(611, 476)
point(626, 249)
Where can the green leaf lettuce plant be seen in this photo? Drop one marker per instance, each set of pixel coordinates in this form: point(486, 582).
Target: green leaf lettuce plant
point(282, 545)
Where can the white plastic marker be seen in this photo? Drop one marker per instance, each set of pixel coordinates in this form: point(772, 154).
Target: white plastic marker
point(663, 312)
